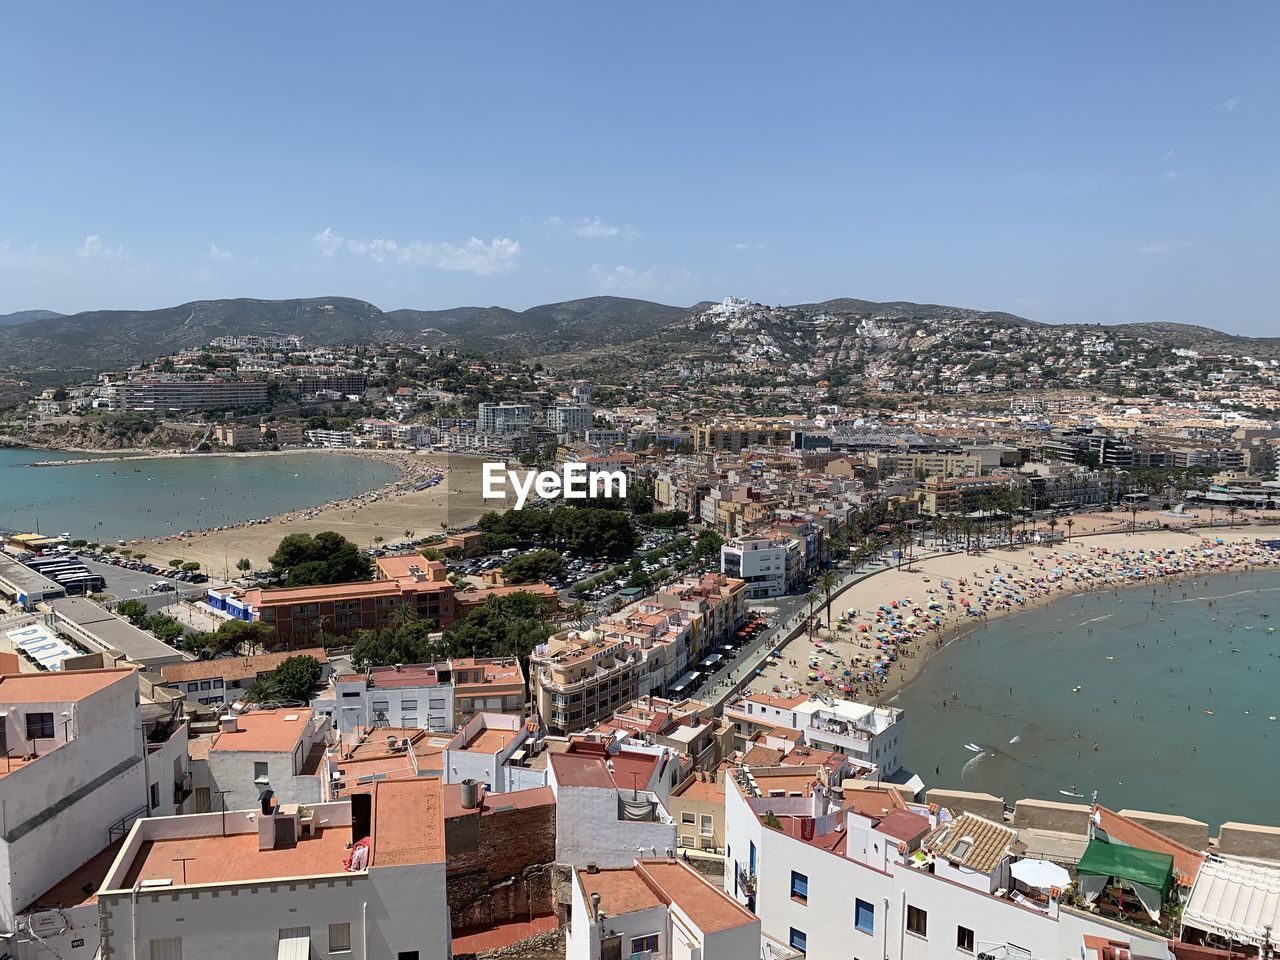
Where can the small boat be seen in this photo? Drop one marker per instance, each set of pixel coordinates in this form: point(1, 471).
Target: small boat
point(1208, 713)
point(1072, 793)
point(974, 747)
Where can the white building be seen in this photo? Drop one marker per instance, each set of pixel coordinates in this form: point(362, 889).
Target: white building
point(575, 420)
point(420, 695)
point(82, 762)
point(362, 878)
point(278, 750)
point(760, 561)
point(869, 734)
point(606, 813)
point(332, 438)
point(493, 749)
point(899, 882)
point(504, 417)
point(657, 908)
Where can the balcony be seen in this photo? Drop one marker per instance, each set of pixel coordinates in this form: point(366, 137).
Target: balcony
point(746, 881)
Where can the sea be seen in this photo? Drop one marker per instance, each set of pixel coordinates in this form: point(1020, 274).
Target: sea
point(1161, 697)
point(144, 497)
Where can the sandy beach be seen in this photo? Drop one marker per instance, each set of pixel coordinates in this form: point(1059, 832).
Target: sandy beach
point(386, 512)
point(884, 628)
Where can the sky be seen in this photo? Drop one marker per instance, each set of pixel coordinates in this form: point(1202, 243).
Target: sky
point(1086, 162)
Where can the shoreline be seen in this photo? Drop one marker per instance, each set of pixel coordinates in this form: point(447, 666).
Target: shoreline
point(847, 648)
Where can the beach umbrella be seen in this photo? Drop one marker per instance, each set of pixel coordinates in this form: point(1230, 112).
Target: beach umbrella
point(1040, 874)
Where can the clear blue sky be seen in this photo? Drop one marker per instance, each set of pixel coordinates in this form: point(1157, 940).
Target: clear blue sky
point(1092, 162)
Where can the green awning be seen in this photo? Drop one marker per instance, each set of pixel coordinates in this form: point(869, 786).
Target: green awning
point(1151, 869)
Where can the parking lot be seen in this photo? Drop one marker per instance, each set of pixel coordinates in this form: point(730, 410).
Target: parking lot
point(126, 584)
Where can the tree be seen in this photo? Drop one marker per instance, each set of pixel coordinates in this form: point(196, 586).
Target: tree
point(164, 627)
point(811, 600)
point(534, 566)
point(826, 583)
point(175, 564)
point(190, 566)
point(244, 564)
point(1070, 526)
point(293, 679)
point(507, 626)
point(135, 611)
point(327, 557)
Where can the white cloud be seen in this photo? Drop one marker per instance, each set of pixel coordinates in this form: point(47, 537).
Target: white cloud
point(747, 246)
point(93, 249)
point(217, 255)
point(1229, 104)
point(499, 255)
point(327, 242)
point(625, 279)
point(1160, 246)
point(592, 227)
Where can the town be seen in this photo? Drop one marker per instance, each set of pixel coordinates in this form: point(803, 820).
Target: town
point(659, 721)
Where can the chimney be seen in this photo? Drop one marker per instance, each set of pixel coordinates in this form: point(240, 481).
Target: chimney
point(229, 723)
point(595, 904)
point(593, 868)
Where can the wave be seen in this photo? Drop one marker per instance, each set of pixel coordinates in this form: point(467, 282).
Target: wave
point(1228, 596)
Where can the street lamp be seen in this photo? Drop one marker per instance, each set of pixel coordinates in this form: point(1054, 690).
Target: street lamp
point(66, 723)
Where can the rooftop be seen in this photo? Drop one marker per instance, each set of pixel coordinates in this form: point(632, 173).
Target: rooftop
point(408, 822)
point(706, 905)
point(59, 686)
point(578, 770)
point(971, 841)
point(264, 731)
point(621, 891)
point(219, 859)
point(234, 668)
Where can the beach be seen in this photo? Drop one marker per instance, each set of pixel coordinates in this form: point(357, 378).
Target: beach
point(454, 501)
point(884, 627)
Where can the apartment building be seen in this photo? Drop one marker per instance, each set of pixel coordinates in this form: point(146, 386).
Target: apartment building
point(734, 437)
point(279, 750)
point(158, 395)
point(874, 875)
point(493, 749)
point(761, 562)
point(84, 758)
point(656, 908)
point(341, 382)
point(215, 683)
point(428, 696)
point(361, 878)
point(570, 420)
point(333, 439)
point(237, 435)
point(299, 613)
point(943, 495)
point(869, 735)
point(499, 418)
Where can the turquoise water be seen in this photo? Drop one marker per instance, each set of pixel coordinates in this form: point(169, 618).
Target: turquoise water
point(145, 497)
point(1204, 646)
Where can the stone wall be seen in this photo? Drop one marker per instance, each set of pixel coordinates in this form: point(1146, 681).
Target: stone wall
point(961, 801)
point(499, 865)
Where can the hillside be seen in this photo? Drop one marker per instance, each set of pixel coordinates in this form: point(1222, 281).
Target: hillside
point(26, 316)
point(594, 331)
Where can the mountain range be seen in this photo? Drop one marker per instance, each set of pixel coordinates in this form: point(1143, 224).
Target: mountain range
point(113, 339)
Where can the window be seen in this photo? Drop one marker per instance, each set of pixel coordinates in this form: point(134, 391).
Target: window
point(206, 684)
point(864, 916)
point(408, 721)
point(799, 887)
point(169, 948)
point(382, 705)
point(798, 941)
point(155, 795)
point(917, 921)
point(687, 817)
point(407, 955)
point(706, 828)
point(339, 937)
point(964, 939)
point(647, 942)
point(39, 725)
point(217, 683)
point(260, 771)
point(410, 705)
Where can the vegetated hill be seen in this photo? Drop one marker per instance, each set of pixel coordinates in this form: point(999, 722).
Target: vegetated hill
point(104, 339)
point(1190, 336)
point(906, 310)
point(548, 328)
point(26, 316)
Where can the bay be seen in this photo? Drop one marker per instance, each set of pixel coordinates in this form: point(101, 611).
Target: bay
point(1178, 688)
point(149, 497)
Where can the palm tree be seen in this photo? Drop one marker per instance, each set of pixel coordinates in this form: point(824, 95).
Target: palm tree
point(810, 600)
point(901, 537)
point(1053, 523)
point(1070, 523)
point(826, 583)
point(1231, 514)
